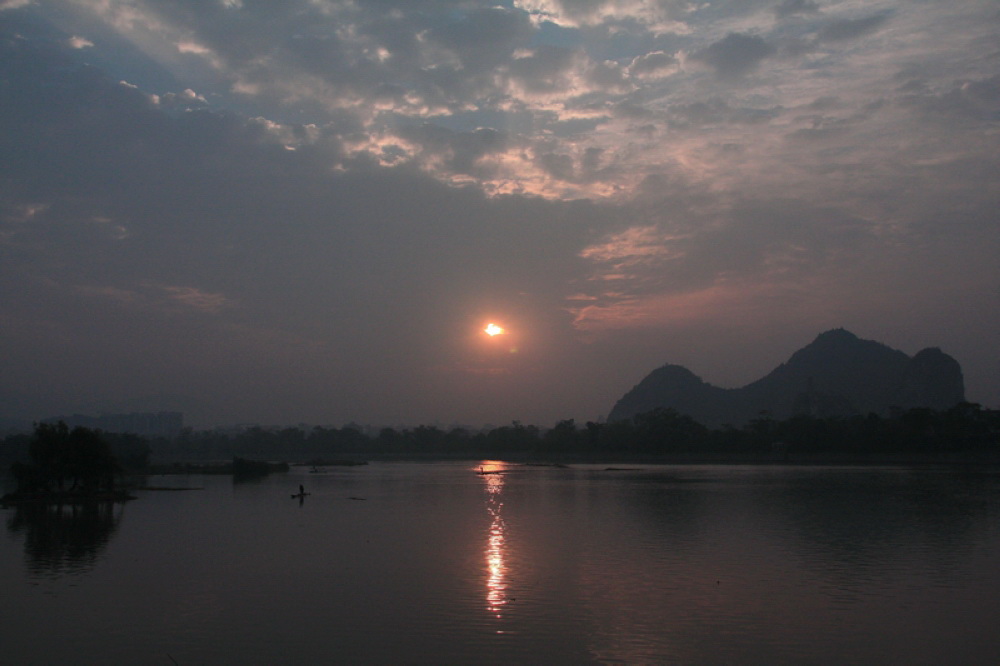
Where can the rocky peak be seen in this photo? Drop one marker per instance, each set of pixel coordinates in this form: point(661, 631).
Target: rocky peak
point(932, 379)
point(838, 373)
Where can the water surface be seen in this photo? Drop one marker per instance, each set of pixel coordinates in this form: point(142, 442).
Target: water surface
point(436, 563)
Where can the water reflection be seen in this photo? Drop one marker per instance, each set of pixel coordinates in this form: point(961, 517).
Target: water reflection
point(703, 565)
point(496, 565)
point(837, 546)
point(64, 539)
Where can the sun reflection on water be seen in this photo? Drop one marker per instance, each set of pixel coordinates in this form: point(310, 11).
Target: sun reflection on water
point(496, 565)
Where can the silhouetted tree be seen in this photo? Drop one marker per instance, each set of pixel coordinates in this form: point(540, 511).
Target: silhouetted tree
point(80, 457)
point(562, 438)
point(664, 430)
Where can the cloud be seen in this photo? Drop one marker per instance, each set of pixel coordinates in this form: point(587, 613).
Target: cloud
point(544, 71)
point(660, 16)
point(78, 42)
point(483, 38)
point(736, 55)
point(609, 77)
point(326, 202)
point(197, 299)
point(847, 29)
point(632, 246)
point(459, 152)
point(654, 64)
point(670, 310)
point(187, 98)
point(796, 8)
point(163, 299)
point(716, 111)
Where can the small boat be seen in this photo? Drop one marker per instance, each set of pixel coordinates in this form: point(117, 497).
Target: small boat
point(299, 495)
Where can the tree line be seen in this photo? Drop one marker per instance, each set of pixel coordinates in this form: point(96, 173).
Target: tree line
point(966, 428)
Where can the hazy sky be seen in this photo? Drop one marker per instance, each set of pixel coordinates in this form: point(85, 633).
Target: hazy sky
point(308, 210)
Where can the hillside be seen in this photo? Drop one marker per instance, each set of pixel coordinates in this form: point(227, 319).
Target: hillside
point(837, 374)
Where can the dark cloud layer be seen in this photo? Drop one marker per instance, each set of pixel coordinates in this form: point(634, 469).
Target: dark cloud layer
point(796, 8)
point(284, 212)
point(735, 55)
point(845, 29)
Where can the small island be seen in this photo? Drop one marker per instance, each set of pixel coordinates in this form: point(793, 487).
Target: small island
point(67, 466)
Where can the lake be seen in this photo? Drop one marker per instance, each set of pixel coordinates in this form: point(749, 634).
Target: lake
point(408, 563)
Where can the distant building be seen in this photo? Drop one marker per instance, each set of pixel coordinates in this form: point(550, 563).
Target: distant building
point(148, 424)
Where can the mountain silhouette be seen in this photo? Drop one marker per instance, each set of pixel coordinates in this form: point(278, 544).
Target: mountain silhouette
point(837, 374)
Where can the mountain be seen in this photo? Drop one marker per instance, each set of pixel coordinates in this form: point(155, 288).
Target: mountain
point(837, 374)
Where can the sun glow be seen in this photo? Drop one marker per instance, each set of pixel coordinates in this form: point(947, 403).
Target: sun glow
point(497, 585)
point(492, 329)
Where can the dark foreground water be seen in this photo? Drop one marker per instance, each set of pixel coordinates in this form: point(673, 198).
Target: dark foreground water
point(397, 563)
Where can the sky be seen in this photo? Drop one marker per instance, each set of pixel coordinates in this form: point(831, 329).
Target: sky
point(307, 211)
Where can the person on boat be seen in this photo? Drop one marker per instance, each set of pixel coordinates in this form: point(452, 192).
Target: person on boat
point(302, 489)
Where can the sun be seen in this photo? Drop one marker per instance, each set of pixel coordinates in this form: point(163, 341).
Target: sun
point(492, 329)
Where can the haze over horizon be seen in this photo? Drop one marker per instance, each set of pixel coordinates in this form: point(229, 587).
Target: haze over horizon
point(309, 211)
